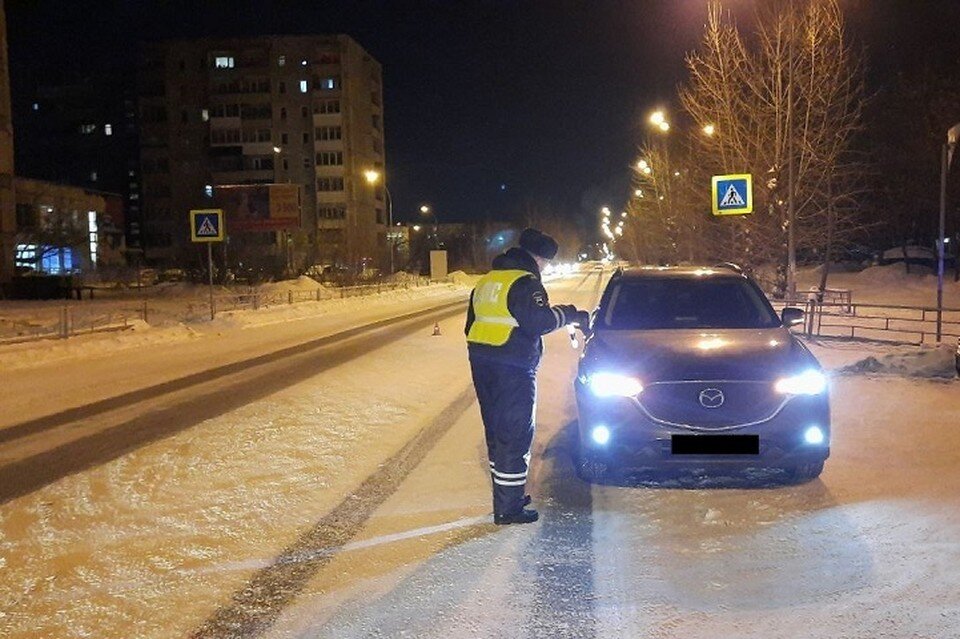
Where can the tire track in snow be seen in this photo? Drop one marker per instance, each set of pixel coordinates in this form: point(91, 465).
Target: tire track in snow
point(254, 608)
point(289, 366)
point(93, 409)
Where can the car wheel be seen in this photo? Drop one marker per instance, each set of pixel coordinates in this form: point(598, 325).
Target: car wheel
point(806, 472)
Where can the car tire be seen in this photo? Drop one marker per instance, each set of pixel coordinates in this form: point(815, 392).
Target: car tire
point(806, 472)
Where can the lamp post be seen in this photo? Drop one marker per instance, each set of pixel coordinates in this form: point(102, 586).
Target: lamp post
point(946, 157)
point(373, 176)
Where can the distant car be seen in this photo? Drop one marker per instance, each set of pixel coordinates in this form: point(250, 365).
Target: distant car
point(692, 367)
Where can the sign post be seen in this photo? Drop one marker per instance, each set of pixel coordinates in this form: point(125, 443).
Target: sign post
point(206, 225)
point(732, 194)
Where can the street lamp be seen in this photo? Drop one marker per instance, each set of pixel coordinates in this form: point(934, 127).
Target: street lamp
point(946, 159)
point(709, 130)
point(373, 176)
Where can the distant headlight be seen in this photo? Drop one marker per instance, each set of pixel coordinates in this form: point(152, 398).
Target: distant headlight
point(811, 382)
point(613, 385)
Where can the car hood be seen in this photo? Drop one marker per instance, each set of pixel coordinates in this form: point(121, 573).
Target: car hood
point(664, 355)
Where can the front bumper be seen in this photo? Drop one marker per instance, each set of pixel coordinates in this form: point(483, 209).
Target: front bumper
point(636, 440)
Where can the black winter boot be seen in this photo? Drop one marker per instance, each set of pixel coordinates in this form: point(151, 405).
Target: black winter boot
point(525, 516)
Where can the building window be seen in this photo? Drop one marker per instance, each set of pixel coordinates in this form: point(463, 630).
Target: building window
point(36, 106)
point(283, 113)
point(304, 112)
point(93, 176)
point(332, 212)
point(329, 133)
point(208, 190)
point(326, 84)
point(262, 163)
point(108, 129)
point(330, 158)
point(26, 217)
point(223, 62)
point(330, 184)
point(327, 106)
point(87, 129)
point(303, 86)
point(184, 118)
point(283, 138)
point(281, 60)
point(329, 58)
point(92, 233)
point(205, 115)
point(225, 136)
point(306, 138)
point(306, 163)
point(282, 87)
point(286, 164)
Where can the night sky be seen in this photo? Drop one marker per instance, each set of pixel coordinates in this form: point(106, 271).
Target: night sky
point(490, 106)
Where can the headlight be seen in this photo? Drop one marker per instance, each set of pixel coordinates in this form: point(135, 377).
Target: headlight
point(613, 385)
point(811, 382)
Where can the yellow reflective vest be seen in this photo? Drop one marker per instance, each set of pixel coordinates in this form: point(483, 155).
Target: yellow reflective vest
point(493, 324)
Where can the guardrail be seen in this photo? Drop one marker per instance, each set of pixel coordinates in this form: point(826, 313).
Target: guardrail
point(888, 323)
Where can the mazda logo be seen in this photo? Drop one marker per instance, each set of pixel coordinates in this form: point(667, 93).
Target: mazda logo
point(711, 398)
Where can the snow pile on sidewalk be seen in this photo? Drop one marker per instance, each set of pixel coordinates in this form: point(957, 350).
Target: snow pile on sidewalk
point(301, 284)
point(462, 279)
point(925, 362)
point(890, 285)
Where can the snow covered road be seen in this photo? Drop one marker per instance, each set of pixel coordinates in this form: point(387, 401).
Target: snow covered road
point(352, 500)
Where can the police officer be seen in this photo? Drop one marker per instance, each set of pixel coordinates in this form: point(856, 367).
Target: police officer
point(509, 312)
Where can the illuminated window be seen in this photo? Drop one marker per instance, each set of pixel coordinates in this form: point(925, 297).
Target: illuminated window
point(92, 230)
point(93, 176)
point(87, 129)
point(208, 190)
point(223, 62)
point(303, 86)
point(205, 115)
point(108, 129)
point(281, 60)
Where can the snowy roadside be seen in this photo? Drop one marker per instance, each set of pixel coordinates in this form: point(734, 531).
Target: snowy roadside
point(845, 357)
point(141, 334)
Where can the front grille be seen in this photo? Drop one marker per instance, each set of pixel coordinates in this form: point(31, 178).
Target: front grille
point(710, 404)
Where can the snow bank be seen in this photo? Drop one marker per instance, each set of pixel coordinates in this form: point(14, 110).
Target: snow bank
point(462, 279)
point(928, 363)
point(890, 285)
point(301, 284)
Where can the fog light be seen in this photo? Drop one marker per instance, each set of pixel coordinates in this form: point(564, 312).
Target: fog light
point(600, 434)
point(813, 435)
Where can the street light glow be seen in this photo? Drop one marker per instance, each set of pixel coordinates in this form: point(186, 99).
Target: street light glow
point(647, 170)
point(657, 118)
point(416, 227)
point(424, 209)
point(642, 165)
point(605, 210)
point(709, 130)
point(638, 192)
point(372, 176)
point(664, 126)
point(623, 215)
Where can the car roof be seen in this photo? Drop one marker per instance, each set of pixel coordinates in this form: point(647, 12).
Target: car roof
point(681, 272)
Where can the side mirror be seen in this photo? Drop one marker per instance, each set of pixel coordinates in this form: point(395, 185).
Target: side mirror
point(791, 316)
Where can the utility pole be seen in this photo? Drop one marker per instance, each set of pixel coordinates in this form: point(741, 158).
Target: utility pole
point(946, 156)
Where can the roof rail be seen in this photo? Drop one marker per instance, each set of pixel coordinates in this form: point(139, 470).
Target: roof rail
point(618, 272)
point(731, 266)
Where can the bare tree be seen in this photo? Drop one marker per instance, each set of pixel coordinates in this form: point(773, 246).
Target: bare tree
point(784, 109)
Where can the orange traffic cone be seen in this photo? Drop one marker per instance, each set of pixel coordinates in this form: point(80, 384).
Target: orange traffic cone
point(436, 328)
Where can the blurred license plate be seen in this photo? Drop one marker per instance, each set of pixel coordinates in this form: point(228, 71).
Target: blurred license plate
point(715, 444)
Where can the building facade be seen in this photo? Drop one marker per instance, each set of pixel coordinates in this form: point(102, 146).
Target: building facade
point(306, 110)
point(7, 200)
point(84, 133)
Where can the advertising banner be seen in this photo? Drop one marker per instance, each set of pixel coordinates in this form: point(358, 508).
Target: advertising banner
point(260, 207)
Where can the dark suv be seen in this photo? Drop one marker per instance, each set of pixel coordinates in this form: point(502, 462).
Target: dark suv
point(693, 367)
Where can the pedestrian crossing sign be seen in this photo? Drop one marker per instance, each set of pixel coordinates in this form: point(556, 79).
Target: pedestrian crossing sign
point(732, 194)
point(206, 225)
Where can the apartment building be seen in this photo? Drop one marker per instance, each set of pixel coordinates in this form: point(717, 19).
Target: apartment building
point(305, 110)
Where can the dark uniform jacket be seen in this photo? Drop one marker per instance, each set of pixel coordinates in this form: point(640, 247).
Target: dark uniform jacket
point(528, 304)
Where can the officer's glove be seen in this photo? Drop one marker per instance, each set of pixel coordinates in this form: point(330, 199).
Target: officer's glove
point(582, 320)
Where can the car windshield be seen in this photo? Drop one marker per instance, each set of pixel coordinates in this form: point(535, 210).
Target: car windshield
point(651, 303)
